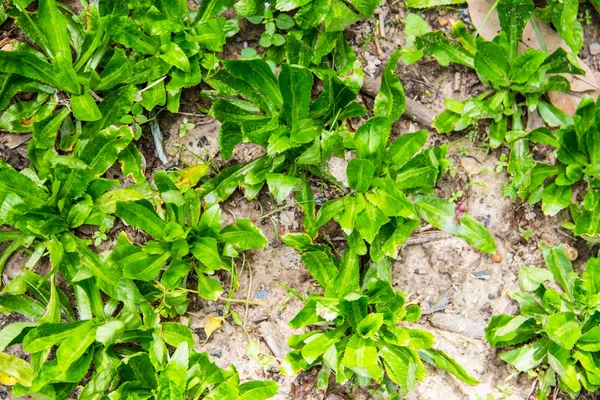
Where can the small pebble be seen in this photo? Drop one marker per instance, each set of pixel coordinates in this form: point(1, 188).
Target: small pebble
point(217, 353)
point(443, 21)
point(595, 48)
point(483, 275)
point(262, 294)
point(497, 257)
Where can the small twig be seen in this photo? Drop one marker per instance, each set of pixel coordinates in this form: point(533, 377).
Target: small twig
point(156, 82)
point(158, 141)
point(254, 303)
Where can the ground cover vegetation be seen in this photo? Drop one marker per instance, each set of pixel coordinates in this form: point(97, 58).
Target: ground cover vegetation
point(102, 324)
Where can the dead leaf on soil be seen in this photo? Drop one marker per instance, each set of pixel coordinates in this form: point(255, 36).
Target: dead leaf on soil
point(580, 85)
point(212, 324)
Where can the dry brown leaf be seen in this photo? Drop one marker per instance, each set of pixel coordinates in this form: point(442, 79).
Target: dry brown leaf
point(580, 85)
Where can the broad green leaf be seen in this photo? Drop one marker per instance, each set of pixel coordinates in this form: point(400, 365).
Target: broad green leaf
point(403, 366)
point(54, 26)
point(117, 71)
point(491, 64)
point(175, 333)
point(108, 333)
point(530, 278)
point(442, 360)
point(321, 267)
point(244, 235)
point(563, 328)
point(27, 64)
point(528, 356)
point(513, 16)
point(403, 149)
point(211, 8)
point(369, 222)
point(14, 333)
point(317, 344)
point(347, 280)
point(84, 107)
point(142, 218)
point(143, 266)
point(209, 288)
point(172, 381)
point(591, 276)
point(257, 390)
point(505, 330)
point(391, 200)
point(441, 214)
point(124, 31)
point(72, 349)
point(369, 326)
point(437, 45)
point(174, 55)
point(230, 135)
point(371, 139)
point(360, 173)
point(365, 7)
point(206, 251)
point(561, 362)
point(282, 185)
point(257, 74)
point(390, 102)
point(113, 108)
point(20, 304)
point(339, 17)
point(17, 369)
point(559, 264)
point(48, 335)
point(590, 341)
point(360, 356)
point(295, 84)
point(525, 65)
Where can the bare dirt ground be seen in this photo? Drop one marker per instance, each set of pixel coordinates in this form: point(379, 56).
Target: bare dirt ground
point(458, 287)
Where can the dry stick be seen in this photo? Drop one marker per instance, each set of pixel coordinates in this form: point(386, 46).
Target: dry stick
point(414, 110)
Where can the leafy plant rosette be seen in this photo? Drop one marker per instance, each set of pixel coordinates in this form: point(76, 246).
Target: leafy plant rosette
point(312, 28)
point(572, 181)
point(556, 336)
point(358, 333)
point(124, 52)
point(300, 135)
point(517, 81)
point(278, 113)
point(124, 354)
point(184, 238)
point(64, 189)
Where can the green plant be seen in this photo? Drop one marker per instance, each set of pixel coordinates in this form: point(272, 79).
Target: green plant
point(563, 15)
point(299, 138)
point(184, 239)
point(124, 355)
point(555, 336)
point(577, 164)
point(312, 28)
point(360, 316)
point(163, 40)
point(279, 114)
point(61, 192)
point(517, 81)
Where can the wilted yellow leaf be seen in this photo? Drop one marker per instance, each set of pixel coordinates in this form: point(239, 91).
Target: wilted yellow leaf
point(188, 177)
point(211, 325)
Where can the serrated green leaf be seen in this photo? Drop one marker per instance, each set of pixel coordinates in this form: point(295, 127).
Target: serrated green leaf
point(84, 107)
point(442, 360)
